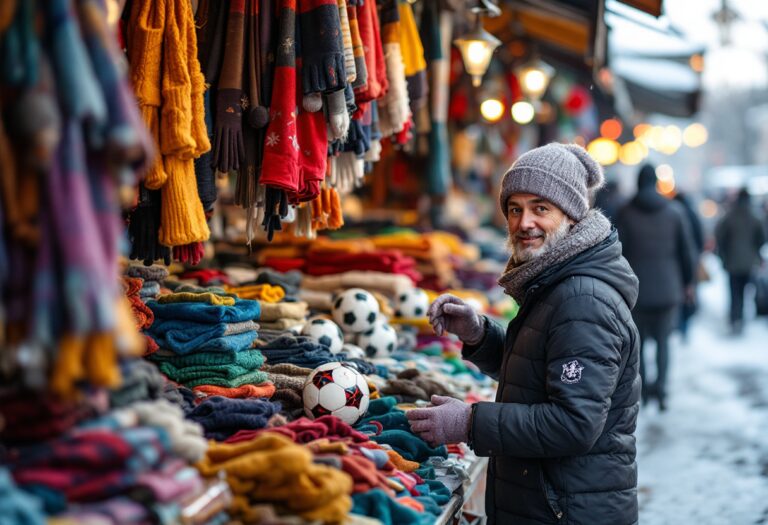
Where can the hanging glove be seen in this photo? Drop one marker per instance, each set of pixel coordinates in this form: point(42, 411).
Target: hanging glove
point(228, 147)
point(346, 172)
point(447, 421)
point(448, 313)
point(143, 226)
point(358, 142)
point(275, 207)
point(337, 115)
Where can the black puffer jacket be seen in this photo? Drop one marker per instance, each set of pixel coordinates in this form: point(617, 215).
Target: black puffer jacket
point(659, 245)
point(560, 435)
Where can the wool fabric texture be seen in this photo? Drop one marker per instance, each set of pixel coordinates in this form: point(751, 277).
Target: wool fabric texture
point(183, 337)
point(265, 390)
point(301, 351)
point(242, 310)
point(147, 273)
point(564, 174)
point(244, 369)
point(142, 381)
point(186, 437)
point(323, 51)
point(377, 504)
point(266, 293)
point(304, 430)
point(409, 446)
point(221, 417)
point(189, 297)
point(271, 468)
point(149, 289)
point(16, 506)
point(206, 358)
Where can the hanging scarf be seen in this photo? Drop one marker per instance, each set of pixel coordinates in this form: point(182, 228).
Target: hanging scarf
point(591, 230)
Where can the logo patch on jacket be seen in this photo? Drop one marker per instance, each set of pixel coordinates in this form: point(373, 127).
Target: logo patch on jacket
point(571, 372)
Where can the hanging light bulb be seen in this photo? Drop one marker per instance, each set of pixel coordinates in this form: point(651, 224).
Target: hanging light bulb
point(476, 49)
point(534, 77)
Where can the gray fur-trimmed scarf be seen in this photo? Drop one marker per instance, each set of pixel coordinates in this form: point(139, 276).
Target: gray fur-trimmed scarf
point(591, 230)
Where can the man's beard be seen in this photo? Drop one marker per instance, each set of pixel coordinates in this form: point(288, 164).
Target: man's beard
point(522, 255)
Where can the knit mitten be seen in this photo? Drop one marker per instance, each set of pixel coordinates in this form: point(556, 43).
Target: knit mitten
point(337, 115)
point(446, 421)
point(358, 141)
point(312, 102)
point(322, 51)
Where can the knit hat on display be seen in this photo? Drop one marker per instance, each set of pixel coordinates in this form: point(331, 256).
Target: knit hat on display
point(563, 174)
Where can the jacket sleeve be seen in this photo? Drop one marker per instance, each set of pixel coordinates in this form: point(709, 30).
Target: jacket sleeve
point(686, 248)
point(583, 352)
point(488, 353)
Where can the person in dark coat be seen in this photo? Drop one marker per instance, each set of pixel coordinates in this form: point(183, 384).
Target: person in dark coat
point(689, 306)
point(739, 236)
point(560, 432)
point(658, 244)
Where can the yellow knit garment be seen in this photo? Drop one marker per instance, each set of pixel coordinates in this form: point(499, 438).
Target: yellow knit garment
point(267, 293)
point(410, 41)
point(275, 312)
point(271, 468)
point(91, 358)
point(192, 297)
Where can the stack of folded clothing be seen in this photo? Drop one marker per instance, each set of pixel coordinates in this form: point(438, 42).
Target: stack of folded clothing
point(206, 341)
point(289, 384)
point(29, 416)
point(297, 350)
point(132, 287)
point(386, 261)
point(411, 385)
point(264, 292)
point(206, 277)
point(433, 258)
point(283, 316)
point(90, 464)
point(221, 417)
point(272, 469)
point(151, 276)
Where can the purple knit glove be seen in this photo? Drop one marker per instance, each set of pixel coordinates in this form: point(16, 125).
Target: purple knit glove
point(447, 421)
point(448, 313)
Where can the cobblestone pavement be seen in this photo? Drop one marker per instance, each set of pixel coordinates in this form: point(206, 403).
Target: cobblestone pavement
point(705, 460)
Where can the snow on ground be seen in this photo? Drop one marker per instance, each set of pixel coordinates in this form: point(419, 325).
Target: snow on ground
point(705, 460)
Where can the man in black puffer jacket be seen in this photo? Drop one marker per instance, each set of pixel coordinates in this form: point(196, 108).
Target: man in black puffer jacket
point(560, 433)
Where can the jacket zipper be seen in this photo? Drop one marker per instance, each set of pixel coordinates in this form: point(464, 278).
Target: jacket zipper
point(550, 496)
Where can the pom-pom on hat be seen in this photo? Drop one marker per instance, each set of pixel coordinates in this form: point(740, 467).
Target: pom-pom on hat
point(563, 174)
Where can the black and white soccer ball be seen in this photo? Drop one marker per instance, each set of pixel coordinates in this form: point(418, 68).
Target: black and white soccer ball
point(355, 310)
point(412, 303)
point(336, 389)
point(325, 332)
point(379, 341)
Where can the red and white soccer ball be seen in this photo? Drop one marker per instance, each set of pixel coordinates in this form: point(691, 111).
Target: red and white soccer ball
point(336, 389)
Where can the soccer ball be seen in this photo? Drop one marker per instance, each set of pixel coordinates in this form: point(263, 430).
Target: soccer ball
point(379, 341)
point(412, 303)
point(325, 332)
point(336, 389)
point(355, 310)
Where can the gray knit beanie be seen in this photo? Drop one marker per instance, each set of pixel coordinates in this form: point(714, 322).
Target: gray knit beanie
point(563, 174)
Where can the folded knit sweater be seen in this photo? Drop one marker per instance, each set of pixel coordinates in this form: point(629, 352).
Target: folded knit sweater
point(242, 310)
point(182, 337)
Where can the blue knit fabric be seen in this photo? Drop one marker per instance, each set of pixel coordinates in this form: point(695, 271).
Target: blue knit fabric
point(435, 490)
point(208, 343)
point(299, 351)
point(16, 506)
point(222, 417)
point(377, 504)
point(183, 336)
point(242, 310)
point(409, 446)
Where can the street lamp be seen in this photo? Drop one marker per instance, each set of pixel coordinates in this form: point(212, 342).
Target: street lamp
point(534, 77)
point(478, 45)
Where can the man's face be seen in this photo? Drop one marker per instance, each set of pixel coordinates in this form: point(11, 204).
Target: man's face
point(534, 225)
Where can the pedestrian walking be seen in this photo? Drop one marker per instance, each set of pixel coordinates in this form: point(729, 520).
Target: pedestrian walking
point(739, 236)
point(690, 301)
point(560, 432)
point(658, 244)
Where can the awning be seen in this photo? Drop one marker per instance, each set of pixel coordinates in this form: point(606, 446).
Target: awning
point(652, 7)
point(573, 27)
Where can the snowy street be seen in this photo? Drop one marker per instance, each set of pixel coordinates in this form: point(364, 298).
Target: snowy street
point(705, 460)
